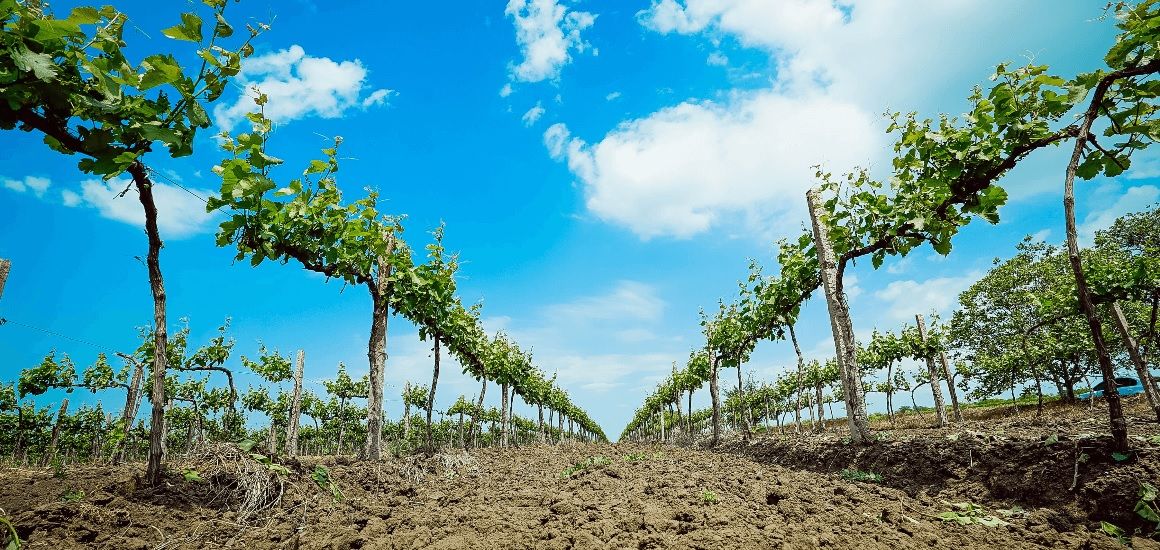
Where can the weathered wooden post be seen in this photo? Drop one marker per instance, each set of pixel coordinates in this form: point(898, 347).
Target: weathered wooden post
point(939, 407)
point(5, 265)
point(295, 407)
point(946, 367)
point(56, 430)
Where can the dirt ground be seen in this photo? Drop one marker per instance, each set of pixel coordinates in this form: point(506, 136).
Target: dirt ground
point(776, 491)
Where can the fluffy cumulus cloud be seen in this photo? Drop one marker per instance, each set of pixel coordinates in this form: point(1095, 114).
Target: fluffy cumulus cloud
point(571, 338)
point(763, 23)
point(679, 170)
point(28, 184)
point(1133, 199)
point(547, 33)
point(627, 301)
point(866, 48)
point(687, 168)
point(533, 115)
point(179, 214)
point(903, 299)
point(299, 85)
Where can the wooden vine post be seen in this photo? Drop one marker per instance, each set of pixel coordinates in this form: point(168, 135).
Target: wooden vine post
point(295, 407)
point(406, 410)
point(5, 266)
point(743, 411)
point(840, 323)
point(946, 368)
point(503, 415)
point(478, 407)
point(56, 429)
point(801, 367)
point(431, 396)
point(940, 408)
point(132, 401)
point(1121, 323)
point(661, 416)
point(715, 396)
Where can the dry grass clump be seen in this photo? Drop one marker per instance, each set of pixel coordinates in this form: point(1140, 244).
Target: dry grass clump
point(234, 479)
point(447, 465)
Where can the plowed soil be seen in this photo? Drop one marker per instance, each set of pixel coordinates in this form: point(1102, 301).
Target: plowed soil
point(778, 491)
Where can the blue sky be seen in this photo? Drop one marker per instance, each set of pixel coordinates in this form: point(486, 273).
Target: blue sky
point(604, 168)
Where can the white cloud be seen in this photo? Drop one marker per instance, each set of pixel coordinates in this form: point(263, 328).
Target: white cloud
point(597, 342)
point(851, 287)
point(634, 335)
point(179, 214)
point(1042, 235)
point(70, 198)
point(685, 168)
point(906, 298)
point(506, 90)
point(604, 372)
point(898, 266)
point(546, 32)
point(36, 185)
point(612, 96)
point(717, 59)
point(1133, 199)
point(494, 324)
point(299, 86)
point(377, 97)
point(679, 170)
point(629, 300)
point(533, 114)
point(1145, 165)
point(866, 48)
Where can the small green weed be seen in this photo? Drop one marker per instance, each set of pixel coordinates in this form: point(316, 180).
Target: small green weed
point(859, 475)
point(73, 495)
point(1115, 531)
point(1147, 507)
point(584, 465)
point(1013, 512)
point(321, 476)
point(636, 457)
point(709, 497)
point(191, 475)
point(7, 530)
point(966, 513)
point(58, 467)
point(248, 445)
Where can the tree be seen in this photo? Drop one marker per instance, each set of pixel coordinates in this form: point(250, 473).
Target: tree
point(884, 350)
point(308, 222)
point(926, 349)
point(840, 323)
point(434, 294)
point(70, 80)
point(1127, 98)
point(344, 388)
